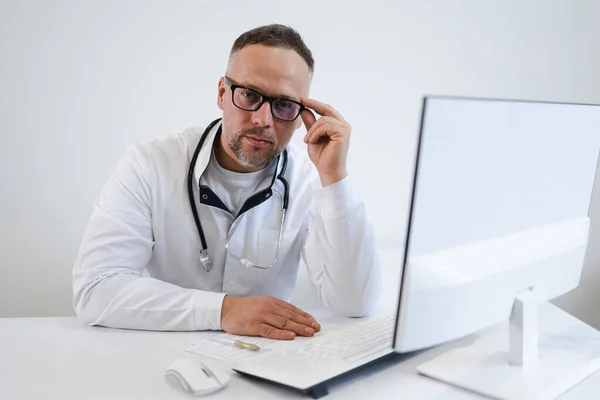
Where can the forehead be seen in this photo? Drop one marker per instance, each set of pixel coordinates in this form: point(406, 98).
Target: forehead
point(274, 71)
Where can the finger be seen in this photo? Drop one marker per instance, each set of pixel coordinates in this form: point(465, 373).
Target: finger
point(287, 306)
point(322, 108)
point(290, 307)
point(271, 332)
point(322, 121)
point(288, 324)
point(308, 118)
point(305, 322)
point(324, 131)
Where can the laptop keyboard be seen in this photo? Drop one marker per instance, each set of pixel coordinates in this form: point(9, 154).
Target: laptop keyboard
point(345, 344)
point(366, 336)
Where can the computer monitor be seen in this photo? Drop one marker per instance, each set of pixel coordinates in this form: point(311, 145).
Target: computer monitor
point(498, 224)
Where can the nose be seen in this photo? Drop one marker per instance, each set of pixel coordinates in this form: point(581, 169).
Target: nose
point(263, 117)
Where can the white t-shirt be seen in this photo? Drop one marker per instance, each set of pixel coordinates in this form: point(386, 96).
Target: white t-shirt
point(233, 188)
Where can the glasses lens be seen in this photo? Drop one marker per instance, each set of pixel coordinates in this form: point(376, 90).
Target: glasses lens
point(246, 99)
point(285, 109)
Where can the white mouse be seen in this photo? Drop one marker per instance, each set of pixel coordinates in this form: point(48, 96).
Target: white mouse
point(196, 377)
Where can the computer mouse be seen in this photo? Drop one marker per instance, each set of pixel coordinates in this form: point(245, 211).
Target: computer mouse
point(195, 376)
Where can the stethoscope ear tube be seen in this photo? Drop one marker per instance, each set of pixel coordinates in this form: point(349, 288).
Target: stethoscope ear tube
point(204, 257)
point(286, 186)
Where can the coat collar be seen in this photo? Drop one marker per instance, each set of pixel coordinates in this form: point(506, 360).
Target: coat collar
point(207, 141)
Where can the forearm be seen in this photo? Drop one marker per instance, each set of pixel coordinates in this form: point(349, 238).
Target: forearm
point(116, 247)
point(340, 252)
point(128, 301)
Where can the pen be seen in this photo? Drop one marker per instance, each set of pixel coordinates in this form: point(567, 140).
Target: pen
point(240, 344)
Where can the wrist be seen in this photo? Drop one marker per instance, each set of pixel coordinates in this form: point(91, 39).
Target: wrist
point(226, 307)
point(330, 179)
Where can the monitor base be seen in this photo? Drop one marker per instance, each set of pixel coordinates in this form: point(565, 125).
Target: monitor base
point(565, 356)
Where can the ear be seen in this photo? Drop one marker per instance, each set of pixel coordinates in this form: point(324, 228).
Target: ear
point(221, 93)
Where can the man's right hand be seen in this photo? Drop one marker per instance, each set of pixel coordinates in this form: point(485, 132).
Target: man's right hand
point(265, 316)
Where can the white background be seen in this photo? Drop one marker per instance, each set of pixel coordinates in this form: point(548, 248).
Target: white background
point(82, 80)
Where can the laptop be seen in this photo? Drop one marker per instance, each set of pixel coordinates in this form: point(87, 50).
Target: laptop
point(310, 365)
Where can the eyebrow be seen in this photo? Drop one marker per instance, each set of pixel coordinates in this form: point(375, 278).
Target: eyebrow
point(256, 89)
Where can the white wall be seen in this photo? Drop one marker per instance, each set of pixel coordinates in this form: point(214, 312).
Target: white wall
point(81, 80)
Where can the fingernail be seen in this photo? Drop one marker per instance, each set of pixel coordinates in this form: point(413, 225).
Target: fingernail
point(309, 331)
point(315, 326)
point(290, 334)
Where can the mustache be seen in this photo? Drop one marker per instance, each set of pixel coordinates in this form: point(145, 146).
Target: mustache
point(258, 132)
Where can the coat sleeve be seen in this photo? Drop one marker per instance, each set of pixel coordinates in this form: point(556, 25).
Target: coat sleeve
point(340, 251)
point(108, 285)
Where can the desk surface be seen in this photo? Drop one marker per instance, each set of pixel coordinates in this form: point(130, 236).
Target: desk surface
point(61, 358)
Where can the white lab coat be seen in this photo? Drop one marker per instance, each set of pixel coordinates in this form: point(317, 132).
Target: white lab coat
point(138, 264)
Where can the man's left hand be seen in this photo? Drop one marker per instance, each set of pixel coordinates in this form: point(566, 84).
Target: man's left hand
point(328, 140)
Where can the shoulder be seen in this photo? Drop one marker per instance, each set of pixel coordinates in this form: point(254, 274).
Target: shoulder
point(166, 153)
point(174, 144)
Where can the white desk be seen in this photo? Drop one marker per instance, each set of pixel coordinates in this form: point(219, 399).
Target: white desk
point(59, 358)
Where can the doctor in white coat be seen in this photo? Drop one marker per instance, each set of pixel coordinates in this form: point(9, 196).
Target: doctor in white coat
point(188, 234)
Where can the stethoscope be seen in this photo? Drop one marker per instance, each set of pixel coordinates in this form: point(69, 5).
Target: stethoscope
point(204, 256)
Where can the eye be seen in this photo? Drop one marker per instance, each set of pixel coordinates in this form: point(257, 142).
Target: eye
point(284, 105)
point(250, 95)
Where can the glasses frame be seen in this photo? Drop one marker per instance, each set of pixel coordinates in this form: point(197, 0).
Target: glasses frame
point(264, 97)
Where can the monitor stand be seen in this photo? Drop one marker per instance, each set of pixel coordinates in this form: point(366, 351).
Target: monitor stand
point(525, 364)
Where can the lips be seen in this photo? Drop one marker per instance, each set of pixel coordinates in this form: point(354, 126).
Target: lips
point(257, 141)
point(259, 138)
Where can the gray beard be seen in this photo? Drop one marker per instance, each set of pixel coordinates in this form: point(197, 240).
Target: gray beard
point(253, 158)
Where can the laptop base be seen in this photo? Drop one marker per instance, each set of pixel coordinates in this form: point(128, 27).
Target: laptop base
point(321, 389)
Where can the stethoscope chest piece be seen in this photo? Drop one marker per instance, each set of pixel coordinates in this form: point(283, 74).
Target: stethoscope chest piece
point(205, 260)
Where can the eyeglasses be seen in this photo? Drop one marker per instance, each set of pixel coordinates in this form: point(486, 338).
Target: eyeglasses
point(251, 100)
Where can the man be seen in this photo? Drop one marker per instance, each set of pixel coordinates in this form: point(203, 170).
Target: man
point(161, 255)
